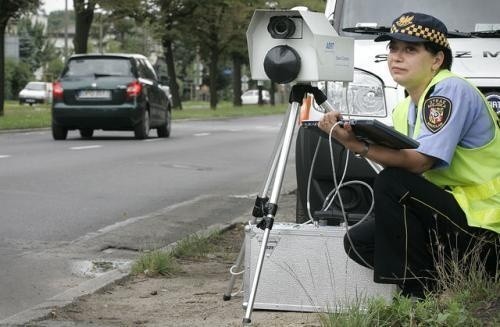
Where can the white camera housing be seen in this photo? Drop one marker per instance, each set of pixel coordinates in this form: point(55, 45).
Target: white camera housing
point(323, 54)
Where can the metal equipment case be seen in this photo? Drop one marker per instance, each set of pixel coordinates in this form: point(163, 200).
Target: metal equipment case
point(306, 269)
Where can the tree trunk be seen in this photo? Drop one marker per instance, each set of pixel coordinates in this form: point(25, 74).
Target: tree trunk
point(260, 100)
point(272, 91)
point(83, 21)
point(174, 87)
point(3, 25)
point(237, 80)
point(214, 58)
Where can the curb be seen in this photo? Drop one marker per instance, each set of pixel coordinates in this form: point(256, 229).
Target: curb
point(44, 310)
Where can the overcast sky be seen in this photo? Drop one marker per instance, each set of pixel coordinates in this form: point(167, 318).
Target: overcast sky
point(51, 5)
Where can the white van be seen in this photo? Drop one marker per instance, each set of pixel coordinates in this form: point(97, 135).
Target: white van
point(474, 37)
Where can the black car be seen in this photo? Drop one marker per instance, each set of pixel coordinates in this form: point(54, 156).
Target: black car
point(109, 92)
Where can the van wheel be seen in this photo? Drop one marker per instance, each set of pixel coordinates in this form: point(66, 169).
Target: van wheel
point(86, 133)
point(141, 130)
point(164, 130)
point(59, 132)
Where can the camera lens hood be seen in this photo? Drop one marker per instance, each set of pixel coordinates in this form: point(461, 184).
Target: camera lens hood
point(281, 27)
point(282, 64)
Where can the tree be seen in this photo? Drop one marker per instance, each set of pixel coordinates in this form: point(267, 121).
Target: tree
point(172, 14)
point(237, 48)
point(32, 43)
point(215, 32)
point(84, 14)
point(10, 9)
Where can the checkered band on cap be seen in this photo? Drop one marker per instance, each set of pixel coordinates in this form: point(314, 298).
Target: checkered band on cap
point(420, 31)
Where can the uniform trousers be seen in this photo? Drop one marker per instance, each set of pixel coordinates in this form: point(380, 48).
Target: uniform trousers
point(415, 225)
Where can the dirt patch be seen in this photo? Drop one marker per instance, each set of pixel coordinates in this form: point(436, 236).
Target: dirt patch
point(191, 298)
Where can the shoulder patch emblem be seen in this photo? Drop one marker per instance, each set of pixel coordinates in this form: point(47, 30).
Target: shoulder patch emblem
point(436, 112)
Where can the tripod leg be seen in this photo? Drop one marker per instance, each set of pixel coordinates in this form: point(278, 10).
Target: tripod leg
point(237, 265)
point(261, 199)
point(272, 205)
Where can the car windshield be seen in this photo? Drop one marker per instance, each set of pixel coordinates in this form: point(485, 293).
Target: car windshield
point(36, 86)
point(459, 15)
point(99, 67)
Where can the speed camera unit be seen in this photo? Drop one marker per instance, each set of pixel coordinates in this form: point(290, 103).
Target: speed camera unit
point(297, 45)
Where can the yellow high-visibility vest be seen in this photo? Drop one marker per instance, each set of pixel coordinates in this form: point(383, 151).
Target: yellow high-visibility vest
point(473, 176)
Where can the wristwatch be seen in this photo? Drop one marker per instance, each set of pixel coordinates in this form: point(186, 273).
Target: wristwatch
point(365, 150)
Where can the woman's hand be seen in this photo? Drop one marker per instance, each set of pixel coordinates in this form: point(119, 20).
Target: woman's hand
point(343, 134)
point(408, 159)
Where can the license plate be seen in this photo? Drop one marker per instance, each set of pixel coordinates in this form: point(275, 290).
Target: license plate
point(94, 94)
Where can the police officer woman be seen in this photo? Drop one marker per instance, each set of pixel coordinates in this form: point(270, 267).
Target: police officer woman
point(444, 196)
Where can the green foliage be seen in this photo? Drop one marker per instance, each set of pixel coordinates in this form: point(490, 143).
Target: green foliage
point(467, 296)
point(156, 263)
point(165, 263)
point(18, 116)
point(54, 69)
point(196, 246)
point(17, 75)
point(32, 42)
point(14, 8)
point(55, 20)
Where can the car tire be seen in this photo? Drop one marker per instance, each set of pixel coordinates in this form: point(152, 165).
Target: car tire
point(164, 130)
point(59, 132)
point(86, 133)
point(141, 130)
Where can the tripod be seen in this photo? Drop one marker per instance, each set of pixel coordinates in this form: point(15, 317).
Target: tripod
point(266, 207)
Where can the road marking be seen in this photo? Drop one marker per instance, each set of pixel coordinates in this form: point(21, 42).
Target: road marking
point(152, 140)
point(85, 147)
point(5, 156)
point(201, 134)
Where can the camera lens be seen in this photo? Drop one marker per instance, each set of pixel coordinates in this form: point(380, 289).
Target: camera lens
point(281, 27)
point(282, 64)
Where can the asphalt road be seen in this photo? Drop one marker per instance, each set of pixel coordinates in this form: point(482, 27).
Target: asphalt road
point(65, 205)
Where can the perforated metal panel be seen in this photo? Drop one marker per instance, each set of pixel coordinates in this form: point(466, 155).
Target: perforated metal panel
point(306, 269)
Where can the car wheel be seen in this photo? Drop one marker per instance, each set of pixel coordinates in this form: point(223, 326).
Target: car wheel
point(141, 131)
point(164, 130)
point(59, 132)
point(86, 133)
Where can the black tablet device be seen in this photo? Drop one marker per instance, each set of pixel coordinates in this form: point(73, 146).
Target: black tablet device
point(374, 131)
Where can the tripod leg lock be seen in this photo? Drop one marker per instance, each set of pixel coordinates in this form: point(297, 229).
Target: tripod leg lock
point(259, 208)
point(266, 223)
point(271, 209)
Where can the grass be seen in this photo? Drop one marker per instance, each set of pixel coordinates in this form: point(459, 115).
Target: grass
point(466, 296)
point(165, 262)
point(18, 116)
point(38, 116)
